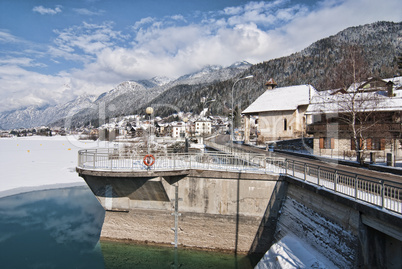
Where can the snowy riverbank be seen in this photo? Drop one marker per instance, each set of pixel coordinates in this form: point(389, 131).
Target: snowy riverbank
point(37, 162)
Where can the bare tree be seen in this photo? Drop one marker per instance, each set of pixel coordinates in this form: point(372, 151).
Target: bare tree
point(352, 68)
point(357, 108)
point(354, 101)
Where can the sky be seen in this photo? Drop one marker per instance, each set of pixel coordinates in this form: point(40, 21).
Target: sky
point(52, 51)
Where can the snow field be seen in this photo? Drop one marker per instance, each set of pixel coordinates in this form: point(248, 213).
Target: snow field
point(33, 163)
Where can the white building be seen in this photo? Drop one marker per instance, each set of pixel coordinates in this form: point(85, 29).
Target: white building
point(203, 128)
point(280, 111)
point(179, 130)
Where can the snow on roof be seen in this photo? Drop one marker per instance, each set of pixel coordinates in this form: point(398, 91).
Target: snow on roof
point(334, 102)
point(283, 98)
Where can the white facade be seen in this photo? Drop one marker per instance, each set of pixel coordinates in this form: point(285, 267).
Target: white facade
point(203, 128)
point(178, 131)
point(281, 113)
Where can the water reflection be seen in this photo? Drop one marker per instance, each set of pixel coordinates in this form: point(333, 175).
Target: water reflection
point(51, 229)
point(61, 229)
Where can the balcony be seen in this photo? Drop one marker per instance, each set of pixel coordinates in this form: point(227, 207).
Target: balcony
point(393, 128)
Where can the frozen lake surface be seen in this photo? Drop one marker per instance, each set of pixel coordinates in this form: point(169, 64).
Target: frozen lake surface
point(33, 163)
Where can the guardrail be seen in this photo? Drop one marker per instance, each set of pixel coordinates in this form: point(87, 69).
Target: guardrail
point(368, 189)
point(115, 160)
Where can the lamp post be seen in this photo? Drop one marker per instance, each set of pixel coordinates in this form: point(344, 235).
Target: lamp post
point(232, 129)
point(185, 135)
point(149, 111)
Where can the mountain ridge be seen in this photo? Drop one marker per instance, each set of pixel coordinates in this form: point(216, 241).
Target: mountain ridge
point(380, 42)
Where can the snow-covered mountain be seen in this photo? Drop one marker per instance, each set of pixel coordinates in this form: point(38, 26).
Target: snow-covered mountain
point(126, 97)
point(155, 82)
point(34, 116)
point(213, 73)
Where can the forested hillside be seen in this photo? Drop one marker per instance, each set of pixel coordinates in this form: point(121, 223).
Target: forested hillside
point(379, 44)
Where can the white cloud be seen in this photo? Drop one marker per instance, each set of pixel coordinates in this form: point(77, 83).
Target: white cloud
point(47, 11)
point(22, 61)
point(87, 12)
point(162, 48)
point(171, 46)
point(21, 88)
point(6, 37)
point(333, 16)
point(142, 22)
point(86, 38)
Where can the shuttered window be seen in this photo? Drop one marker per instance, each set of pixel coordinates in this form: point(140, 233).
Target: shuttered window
point(327, 143)
point(375, 143)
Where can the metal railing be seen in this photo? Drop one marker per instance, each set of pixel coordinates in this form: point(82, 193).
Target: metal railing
point(115, 160)
point(368, 189)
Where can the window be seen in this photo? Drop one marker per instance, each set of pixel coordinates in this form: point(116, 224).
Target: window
point(375, 143)
point(327, 143)
point(285, 124)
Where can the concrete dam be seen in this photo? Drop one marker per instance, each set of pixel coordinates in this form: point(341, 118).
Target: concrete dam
point(243, 204)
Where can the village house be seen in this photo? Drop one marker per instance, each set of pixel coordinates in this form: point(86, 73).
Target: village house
point(178, 130)
point(203, 127)
point(280, 112)
point(375, 104)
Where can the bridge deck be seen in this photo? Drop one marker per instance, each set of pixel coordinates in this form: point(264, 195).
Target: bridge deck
point(372, 190)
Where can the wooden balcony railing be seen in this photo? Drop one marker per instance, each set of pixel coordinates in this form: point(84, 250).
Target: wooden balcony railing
point(332, 127)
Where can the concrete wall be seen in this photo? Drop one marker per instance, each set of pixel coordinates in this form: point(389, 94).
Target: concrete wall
point(247, 213)
point(218, 210)
point(348, 233)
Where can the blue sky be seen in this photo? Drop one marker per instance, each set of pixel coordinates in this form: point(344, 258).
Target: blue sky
point(52, 51)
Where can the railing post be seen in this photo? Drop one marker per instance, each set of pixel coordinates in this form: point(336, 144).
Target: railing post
point(286, 166)
point(336, 179)
point(382, 193)
point(293, 167)
point(111, 161)
point(356, 186)
point(95, 154)
point(305, 171)
point(318, 175)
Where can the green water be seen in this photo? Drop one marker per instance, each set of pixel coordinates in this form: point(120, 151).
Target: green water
point(118, 255)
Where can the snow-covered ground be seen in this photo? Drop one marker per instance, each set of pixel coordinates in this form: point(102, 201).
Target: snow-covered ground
point(34, 163)
point(291, 252)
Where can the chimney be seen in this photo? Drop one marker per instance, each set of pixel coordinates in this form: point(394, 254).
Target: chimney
point(271, 84)
point(390, 89)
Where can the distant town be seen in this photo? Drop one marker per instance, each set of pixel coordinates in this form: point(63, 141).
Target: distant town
point(360, 121)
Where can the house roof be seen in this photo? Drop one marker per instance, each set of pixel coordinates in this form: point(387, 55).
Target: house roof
point(281, 99)
point(370, 99)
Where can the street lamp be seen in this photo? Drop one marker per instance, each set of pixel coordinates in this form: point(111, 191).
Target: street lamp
point(231, 131)
point(185, 135)
point(149, 110)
